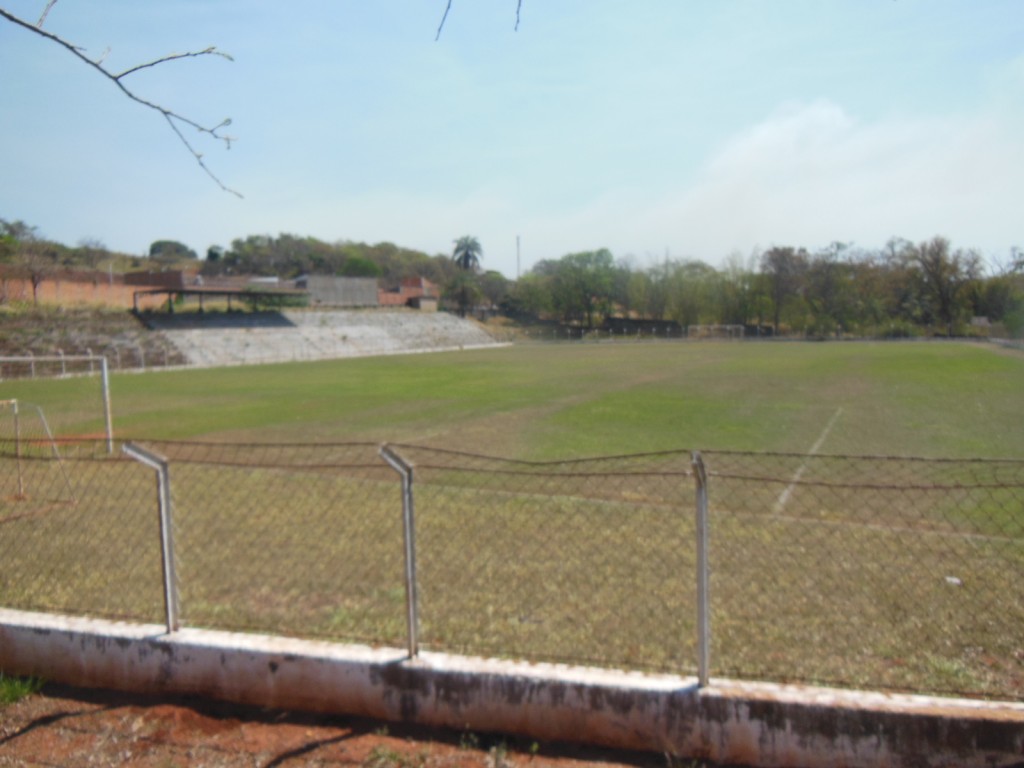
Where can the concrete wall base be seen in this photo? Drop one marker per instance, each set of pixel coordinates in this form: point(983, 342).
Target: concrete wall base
point(729, 722)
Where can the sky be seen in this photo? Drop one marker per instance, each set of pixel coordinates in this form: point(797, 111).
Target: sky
point(689, 129)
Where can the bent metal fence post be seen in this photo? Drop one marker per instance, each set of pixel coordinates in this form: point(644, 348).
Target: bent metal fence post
point(163, 485)
point(409, 531)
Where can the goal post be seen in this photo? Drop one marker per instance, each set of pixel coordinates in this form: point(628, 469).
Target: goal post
point(30, 442)
point(12, 405)
point(63, 366)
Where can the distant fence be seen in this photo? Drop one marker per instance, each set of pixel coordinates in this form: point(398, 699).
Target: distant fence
point(119, 356)
point(887, 573)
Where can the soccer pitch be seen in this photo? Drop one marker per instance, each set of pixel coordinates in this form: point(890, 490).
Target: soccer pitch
point(896, 573)
point(935, 399)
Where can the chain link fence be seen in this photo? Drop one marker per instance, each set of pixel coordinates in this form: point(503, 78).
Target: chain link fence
point(889, 573)
point(883, 573)
point(584, 561)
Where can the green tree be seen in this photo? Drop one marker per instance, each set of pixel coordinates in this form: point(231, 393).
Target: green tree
point(692, 293)
point(899, 287)
point(464, 289)
point(359, 266)
point(738, 291)
point(90, 252)
point(17, 230)
point(7, 247)
point(463, 286)
point(170, 252)
point(945, 278)
point(32, 257)
point(494, 286)
point(830, 290)
point(783, 269)
point(38, 259)
point(530, 296)
point(467, 253)
point(582, 285)
point(638, 289)
point(622, 297)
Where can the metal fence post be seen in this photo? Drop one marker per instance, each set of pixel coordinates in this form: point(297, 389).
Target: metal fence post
point(108, 421)
point(409, 531)
point(703, 604)
point(163, 489)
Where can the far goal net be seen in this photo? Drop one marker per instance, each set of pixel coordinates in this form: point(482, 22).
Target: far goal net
point(714, 331)
point(30, 458)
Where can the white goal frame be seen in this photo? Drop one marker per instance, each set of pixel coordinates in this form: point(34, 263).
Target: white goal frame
point(31, 360)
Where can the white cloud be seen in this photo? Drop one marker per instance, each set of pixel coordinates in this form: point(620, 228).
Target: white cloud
point(812, 173)
point(807, 175)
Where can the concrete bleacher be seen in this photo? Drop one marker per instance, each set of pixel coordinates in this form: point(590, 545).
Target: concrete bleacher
point(216, 338)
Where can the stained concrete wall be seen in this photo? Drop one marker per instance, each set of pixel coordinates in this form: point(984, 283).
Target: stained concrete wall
point(341, 291)
point(743, 723)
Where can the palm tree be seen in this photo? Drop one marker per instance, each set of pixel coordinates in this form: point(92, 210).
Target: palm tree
point(467, 253)
point(466, 256)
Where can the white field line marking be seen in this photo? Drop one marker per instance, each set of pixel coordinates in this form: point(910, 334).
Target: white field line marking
point(783, 499)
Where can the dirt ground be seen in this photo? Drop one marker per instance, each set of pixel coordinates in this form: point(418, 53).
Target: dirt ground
point(74, 727)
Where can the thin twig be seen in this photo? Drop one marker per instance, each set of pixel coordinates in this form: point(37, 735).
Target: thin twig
point(519, 7)
point(211, 51)
point(441, 25)
point(46, 11)
point(171, 116)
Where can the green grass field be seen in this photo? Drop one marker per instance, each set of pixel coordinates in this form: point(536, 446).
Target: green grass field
point(865, 573)
point(544, 402)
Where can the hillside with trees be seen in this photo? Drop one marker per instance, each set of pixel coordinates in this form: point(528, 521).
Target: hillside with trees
point(900, 289)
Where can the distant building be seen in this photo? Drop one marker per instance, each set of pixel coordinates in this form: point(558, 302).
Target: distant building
point(416, 292)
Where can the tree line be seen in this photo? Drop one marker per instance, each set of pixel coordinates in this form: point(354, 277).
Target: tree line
point(902, 289)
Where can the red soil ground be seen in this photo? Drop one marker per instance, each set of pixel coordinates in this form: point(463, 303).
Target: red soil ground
point(75, 727)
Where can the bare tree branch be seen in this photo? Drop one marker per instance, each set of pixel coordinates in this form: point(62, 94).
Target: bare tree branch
point(174, 119)
point(519, 8)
